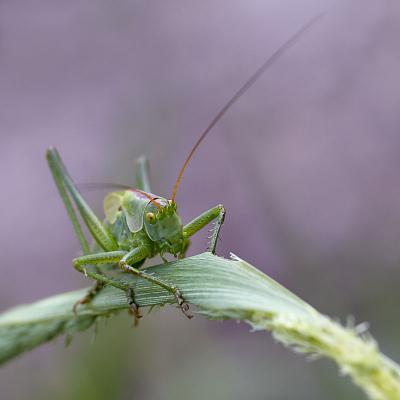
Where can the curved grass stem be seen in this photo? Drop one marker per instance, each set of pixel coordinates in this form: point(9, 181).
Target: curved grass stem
point(221, 289)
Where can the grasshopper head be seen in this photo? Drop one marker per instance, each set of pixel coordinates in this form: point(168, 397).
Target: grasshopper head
point(163, 225)
point(156, 215)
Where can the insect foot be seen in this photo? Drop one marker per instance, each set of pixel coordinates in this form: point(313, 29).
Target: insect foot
point(152, 278)
point(182, 304)
point(88, 297)
point(133, 307)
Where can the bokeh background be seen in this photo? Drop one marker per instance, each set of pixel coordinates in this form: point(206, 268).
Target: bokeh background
point(307, 164)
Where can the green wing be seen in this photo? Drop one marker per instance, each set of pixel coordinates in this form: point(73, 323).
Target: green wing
point(133, 206)
point(131, 203)
point(112, 204)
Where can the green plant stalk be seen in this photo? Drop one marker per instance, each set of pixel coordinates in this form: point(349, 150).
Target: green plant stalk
point(221, 289)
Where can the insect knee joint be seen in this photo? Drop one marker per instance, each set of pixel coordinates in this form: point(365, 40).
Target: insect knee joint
point(123, 265)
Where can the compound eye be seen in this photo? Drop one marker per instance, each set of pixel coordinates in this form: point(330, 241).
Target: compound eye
point(151, 218)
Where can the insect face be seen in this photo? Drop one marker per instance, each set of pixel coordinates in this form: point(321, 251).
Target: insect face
point(163, 225)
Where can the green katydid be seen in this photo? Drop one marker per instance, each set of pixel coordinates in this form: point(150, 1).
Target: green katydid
point(139, 225)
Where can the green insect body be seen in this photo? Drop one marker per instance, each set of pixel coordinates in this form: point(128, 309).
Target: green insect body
point(135, 220)
point(139, 225)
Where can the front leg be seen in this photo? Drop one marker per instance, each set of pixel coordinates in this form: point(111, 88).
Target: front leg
point(136, 255)
point(218, 212)
point(101, 280)
point(124, 259)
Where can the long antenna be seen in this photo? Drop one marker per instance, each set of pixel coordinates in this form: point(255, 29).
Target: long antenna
point(271, 60)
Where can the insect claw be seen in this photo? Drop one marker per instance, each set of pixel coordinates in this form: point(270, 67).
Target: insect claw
point(133, 307)
point(182, 304)
point(185, 309)
point(75, 307)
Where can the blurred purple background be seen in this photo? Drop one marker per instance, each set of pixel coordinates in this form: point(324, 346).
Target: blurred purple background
point(307, 164)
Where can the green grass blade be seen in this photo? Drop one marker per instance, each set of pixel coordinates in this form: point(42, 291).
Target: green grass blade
point(221, 289)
